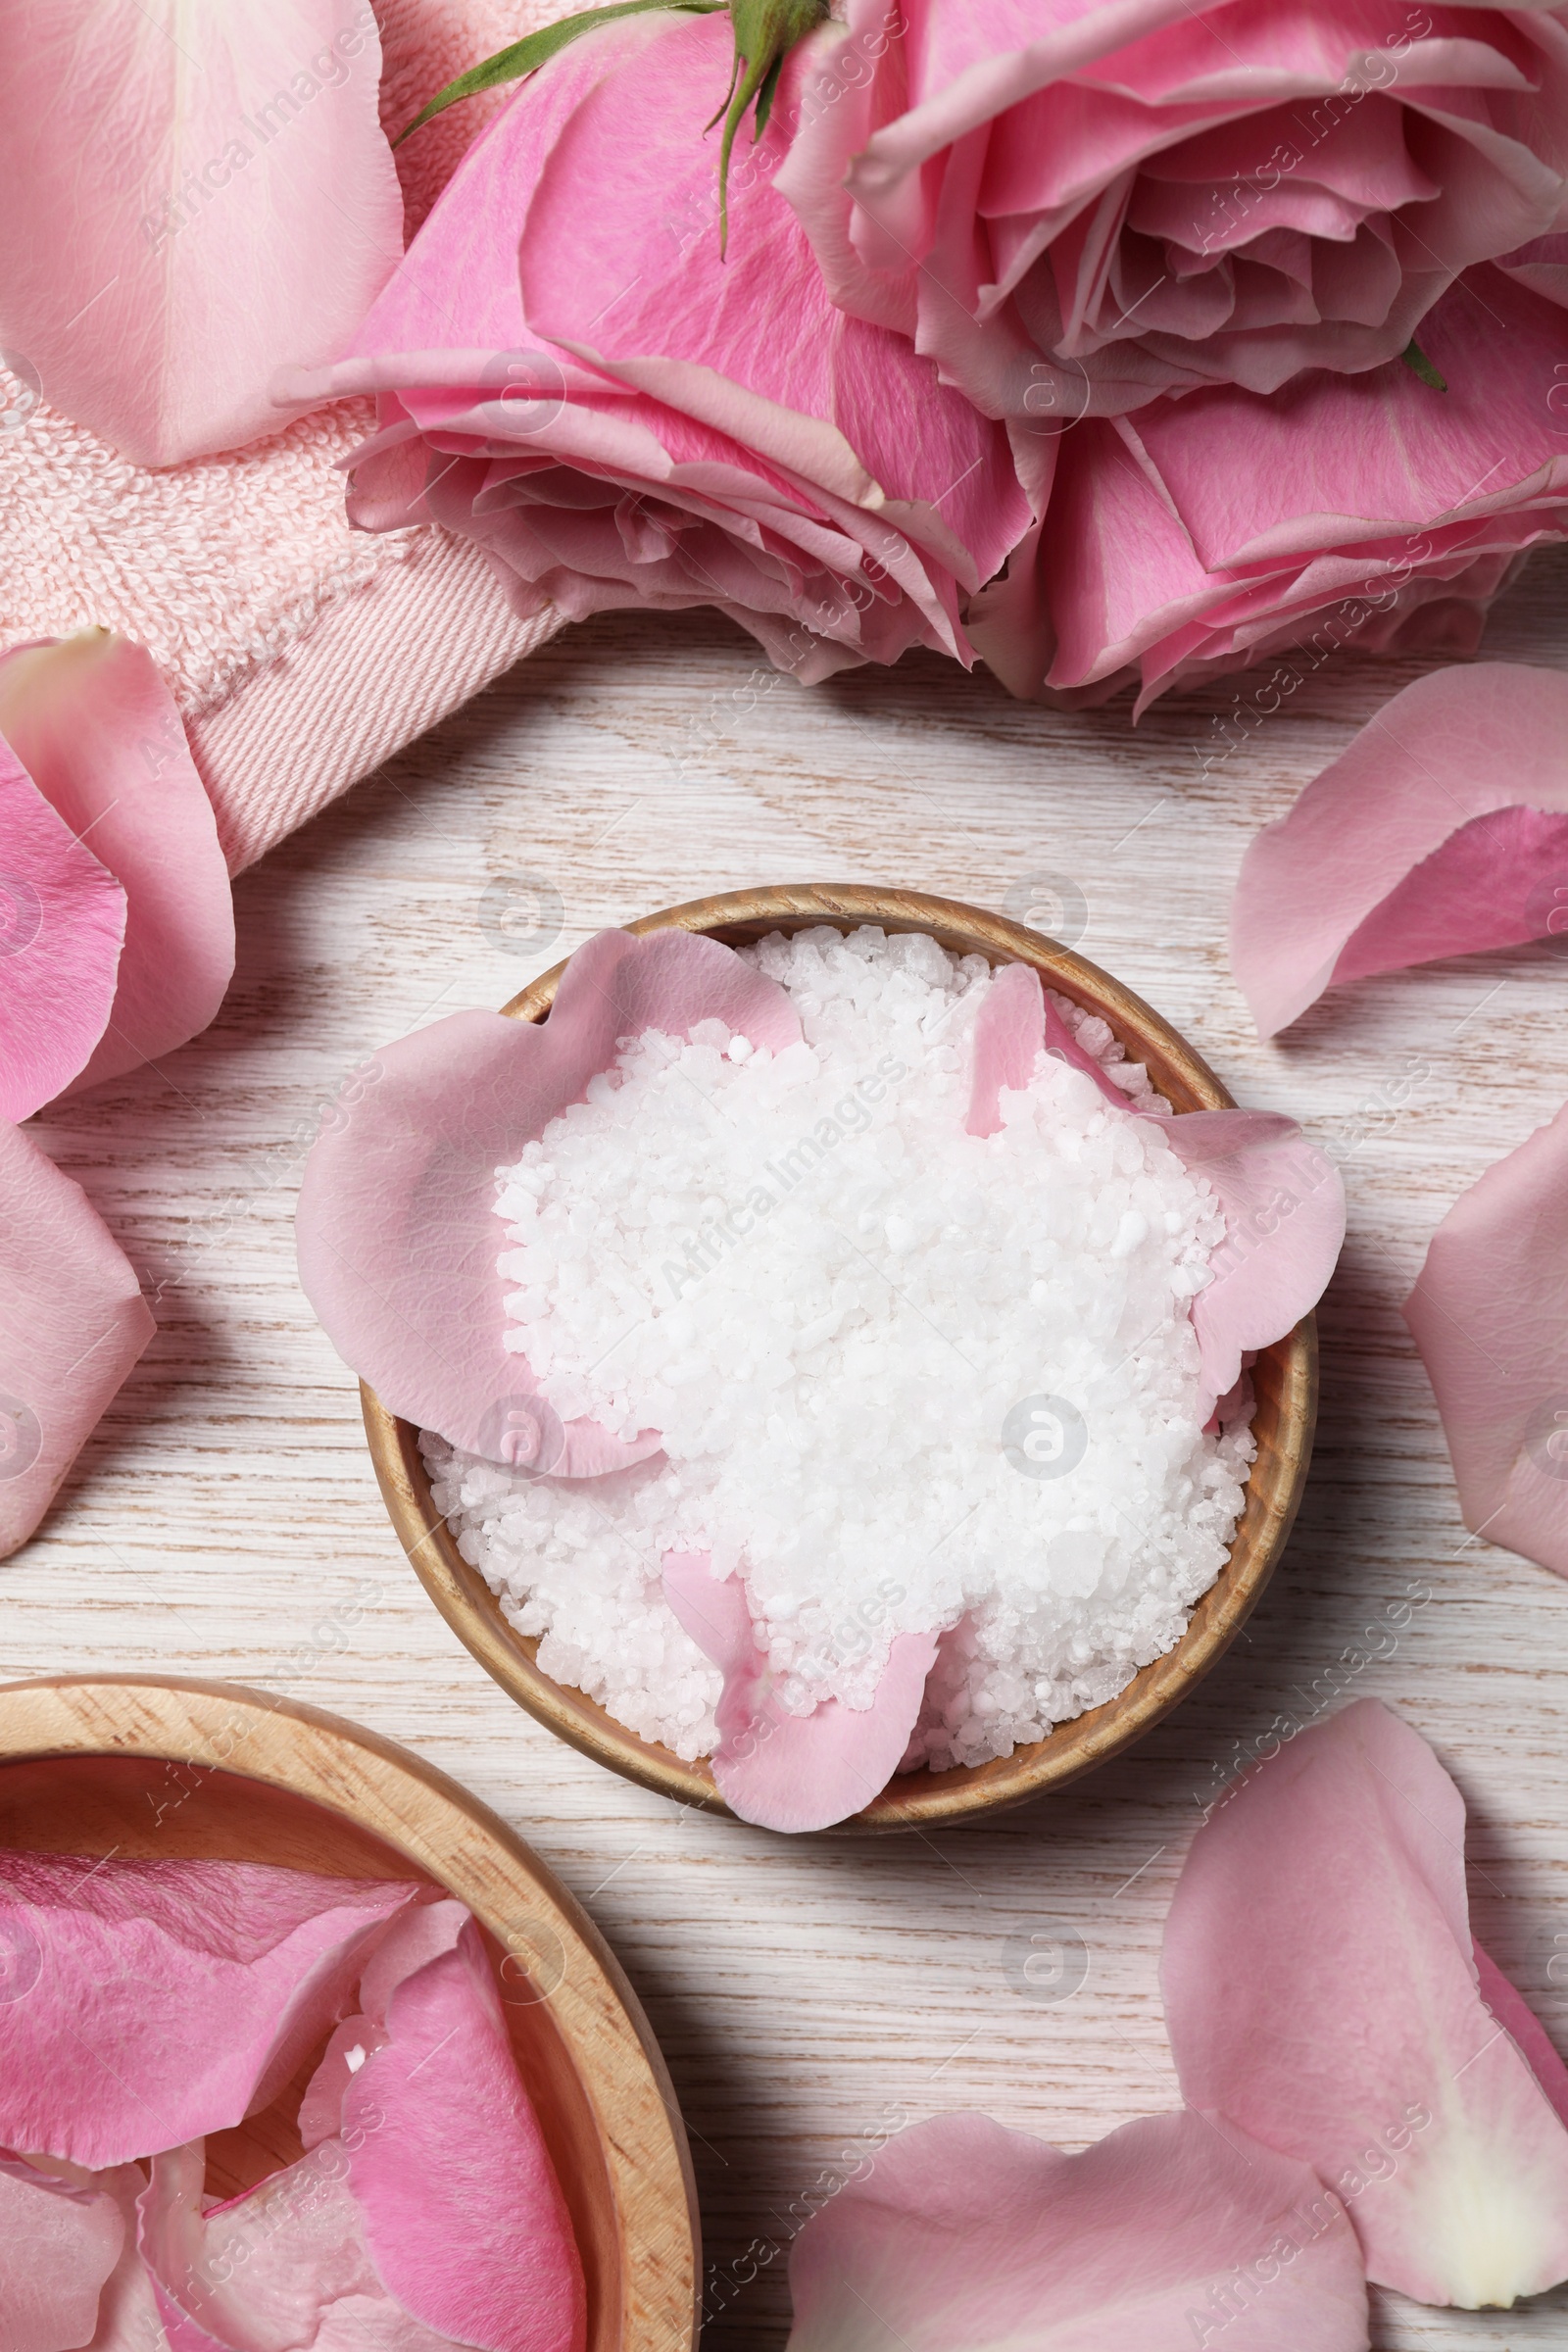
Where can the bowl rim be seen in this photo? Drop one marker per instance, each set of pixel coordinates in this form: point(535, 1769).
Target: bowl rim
point(451, 1837)
point(920, 1799)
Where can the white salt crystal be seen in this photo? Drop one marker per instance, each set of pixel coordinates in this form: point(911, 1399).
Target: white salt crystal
point(908, 1378)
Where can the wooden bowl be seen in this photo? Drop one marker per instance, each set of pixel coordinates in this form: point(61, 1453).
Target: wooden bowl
point(1285, 1378)
point(125, 1764)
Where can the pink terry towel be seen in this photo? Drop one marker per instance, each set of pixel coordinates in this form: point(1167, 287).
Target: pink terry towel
point(301, 654)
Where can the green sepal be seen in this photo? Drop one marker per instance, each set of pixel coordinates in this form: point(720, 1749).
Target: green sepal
point(768, 93)
point(1416, 359)
point(765, 31)
point(527, 55)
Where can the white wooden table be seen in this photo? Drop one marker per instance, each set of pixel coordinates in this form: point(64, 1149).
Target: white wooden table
point(224, 1520)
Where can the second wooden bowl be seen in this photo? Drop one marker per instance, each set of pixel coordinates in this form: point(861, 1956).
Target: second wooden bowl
point(1285, 1378)
point(124, 1765)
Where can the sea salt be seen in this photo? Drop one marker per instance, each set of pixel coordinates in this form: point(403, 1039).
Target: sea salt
point(908, 1378)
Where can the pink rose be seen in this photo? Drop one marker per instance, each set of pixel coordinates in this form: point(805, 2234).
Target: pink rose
point(1074, 207)
point(1365, 513)
point(573, 376)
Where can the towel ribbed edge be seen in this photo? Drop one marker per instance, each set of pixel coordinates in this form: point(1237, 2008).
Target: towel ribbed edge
point(380, 666)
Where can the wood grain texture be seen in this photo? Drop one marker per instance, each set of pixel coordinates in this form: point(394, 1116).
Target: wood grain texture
point(1284, 1380)
point(224, 1520)
point(158, 1768)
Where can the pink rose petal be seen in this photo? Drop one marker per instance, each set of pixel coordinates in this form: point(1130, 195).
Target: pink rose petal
point(1516, 2017)
point(58, 2245)
point(463, 2215)
point(129, 2319)
point(807, 1772)
point(169, 1998)
point(1283, 1201)
point(73, 1322)
point(1441, 830)
point(1490, 1315)
point(320, 2115)
point(62, 925)
point(200, 197)
point(398, 1241)
point(1542, 265)
point(714, 1611)
point(283, 2266)
point(95, 728)
point(1010, 1031)
point(418, 1937)
point(1176, 2230)
point(793, 1772)
point(1284, 1208)
point(1015, 1024)
point(1320, 1992)
point(412, 1939)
